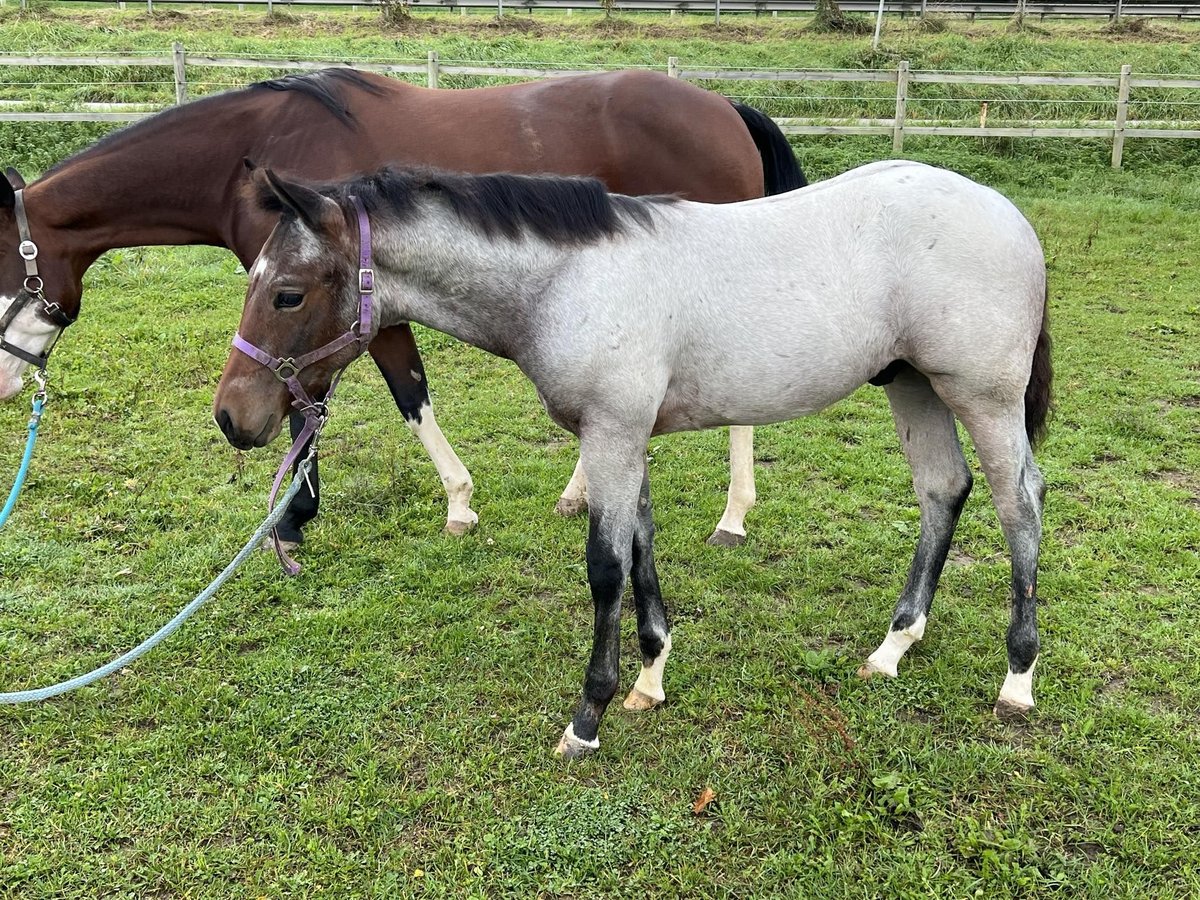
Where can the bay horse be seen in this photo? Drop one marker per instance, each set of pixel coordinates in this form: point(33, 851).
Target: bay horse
point(635, 317)
point(174, 177)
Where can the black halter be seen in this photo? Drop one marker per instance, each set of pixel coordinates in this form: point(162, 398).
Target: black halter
point(31, 292)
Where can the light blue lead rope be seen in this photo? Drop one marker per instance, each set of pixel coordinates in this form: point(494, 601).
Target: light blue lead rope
point(39, 403)
point(184, 614)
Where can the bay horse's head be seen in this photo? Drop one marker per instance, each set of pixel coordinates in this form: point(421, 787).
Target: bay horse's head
point(30, 321)
point(303, 296)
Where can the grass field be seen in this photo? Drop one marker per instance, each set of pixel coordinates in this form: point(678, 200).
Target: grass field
point(382, 725)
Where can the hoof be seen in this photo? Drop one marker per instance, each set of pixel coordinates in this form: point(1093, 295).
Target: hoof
point(569, 508)
point(268, 545)
point(869, 670)
point(641, 702)
point(571, 747)
point(1010, 711)
point(723, 538)
point(459, 527)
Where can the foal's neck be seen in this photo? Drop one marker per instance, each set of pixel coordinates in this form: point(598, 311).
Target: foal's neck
point(481, 290)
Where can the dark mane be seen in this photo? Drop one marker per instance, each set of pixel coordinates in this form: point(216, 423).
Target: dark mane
point(324, 86)
point(560, 210)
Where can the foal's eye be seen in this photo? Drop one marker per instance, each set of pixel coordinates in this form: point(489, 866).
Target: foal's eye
point(288, 300)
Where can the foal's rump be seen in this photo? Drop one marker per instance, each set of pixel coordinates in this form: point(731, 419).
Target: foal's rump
point(801, 298)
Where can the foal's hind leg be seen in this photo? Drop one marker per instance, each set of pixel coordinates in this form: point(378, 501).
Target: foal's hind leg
point(395, 352)
point(1018, 492)
point(942, 481)
point(731, 530)
point(654, 634)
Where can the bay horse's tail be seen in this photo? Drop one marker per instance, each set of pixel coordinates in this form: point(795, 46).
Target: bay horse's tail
point(1037, 392)
point(781, 171)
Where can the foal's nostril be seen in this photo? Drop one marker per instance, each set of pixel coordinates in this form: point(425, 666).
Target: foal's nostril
point(225, 423)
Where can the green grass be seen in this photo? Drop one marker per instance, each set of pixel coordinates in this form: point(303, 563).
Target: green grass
point(382, 725)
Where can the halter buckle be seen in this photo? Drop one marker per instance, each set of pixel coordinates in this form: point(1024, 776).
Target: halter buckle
point(366, 281)
point(286, 368)
point(28, 250)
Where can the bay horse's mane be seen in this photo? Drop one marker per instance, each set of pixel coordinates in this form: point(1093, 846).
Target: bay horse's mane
point(326, 86)
point(559, 210)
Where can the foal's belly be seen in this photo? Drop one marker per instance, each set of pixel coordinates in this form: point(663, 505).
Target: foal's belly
point(751, 400)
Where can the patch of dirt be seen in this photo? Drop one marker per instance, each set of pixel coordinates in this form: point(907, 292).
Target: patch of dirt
point(1183, 481)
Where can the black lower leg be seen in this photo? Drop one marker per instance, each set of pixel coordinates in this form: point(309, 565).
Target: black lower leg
point(303, 508)
point(647, 596)
point(939, 518)
point(606, 575)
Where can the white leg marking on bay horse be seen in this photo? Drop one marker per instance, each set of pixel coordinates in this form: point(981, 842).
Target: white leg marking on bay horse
point(460, 518)
point(648, 689)
point(570, 746)
point(574, 496)
point(1016, 694)
point(731, 530)
point(884, 661)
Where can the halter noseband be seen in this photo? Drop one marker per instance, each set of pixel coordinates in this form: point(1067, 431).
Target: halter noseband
point(288, 369)
point(31, 291)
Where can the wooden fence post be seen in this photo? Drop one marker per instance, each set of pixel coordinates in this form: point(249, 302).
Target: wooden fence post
point(673, 66)
point(901, 106)
point(1122, 115)
point(878, 27)
point(180, 59)
point(431, 69)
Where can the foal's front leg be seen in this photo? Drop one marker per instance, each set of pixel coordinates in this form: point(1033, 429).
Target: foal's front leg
point(615, 466)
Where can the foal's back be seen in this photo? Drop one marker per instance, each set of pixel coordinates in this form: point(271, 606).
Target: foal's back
point(771, 309)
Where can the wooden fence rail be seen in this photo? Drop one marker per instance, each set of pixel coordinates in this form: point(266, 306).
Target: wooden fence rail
point(1113, 9)
point(1120, 129)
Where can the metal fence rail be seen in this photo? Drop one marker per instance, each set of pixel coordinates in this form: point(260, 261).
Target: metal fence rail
point(1118, 130)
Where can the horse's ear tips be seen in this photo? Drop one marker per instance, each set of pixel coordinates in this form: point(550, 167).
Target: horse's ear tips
point(249, 163)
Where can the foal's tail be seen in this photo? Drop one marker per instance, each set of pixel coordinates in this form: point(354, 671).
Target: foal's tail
point(781, 172)
point(1037, 392)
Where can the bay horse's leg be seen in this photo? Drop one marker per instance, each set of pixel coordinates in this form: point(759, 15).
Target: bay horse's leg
point(654, 633)
point(731, 530)
point(303, 508)
point(574, 496)
point(614, 464)
point(1018, 492)
point(395, 352)
point(942, 481)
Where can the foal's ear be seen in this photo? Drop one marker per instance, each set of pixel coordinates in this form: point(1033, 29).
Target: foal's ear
point(14, 178)
point(317, 211)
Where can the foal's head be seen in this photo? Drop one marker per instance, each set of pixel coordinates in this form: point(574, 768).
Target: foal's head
point(303, 293)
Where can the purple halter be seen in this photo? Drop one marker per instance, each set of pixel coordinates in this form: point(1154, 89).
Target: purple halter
point(288, 369)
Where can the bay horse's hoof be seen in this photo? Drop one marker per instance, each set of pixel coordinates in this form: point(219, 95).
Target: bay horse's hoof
point(571, 747)
point(869, 670)
point(641, 702)
point(723, 538)
point(1010, 711)
point(268, 544)
point(568, 508)
point(459, 527)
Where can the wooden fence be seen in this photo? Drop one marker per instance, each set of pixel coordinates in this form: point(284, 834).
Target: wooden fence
point(973, 8)
point(1118, 130)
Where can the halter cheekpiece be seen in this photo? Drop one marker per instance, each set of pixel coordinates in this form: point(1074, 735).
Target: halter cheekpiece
point(31, 292)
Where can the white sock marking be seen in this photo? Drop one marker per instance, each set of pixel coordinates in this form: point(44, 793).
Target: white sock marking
point(894, 646)
point(455, 477)
point(649, 680)
point(1018, 688)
